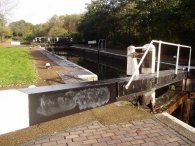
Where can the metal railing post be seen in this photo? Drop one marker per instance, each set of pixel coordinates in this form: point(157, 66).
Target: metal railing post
point(153, 59)
point(177, 61)
point(105, 45)
point(189, 59)
point(158, 62)
point(99, 45)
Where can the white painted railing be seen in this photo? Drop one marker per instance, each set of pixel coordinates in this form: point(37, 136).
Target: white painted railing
point(101, 44)
point(159, 57)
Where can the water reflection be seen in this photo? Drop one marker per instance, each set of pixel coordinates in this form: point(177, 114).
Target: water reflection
point(98, 67)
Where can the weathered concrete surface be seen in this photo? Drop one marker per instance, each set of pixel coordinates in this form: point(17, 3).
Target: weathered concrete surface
point(180, 127)
point(109, 114)
point(72, 72)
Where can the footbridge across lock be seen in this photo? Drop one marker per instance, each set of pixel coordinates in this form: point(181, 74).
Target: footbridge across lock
point(50, 102)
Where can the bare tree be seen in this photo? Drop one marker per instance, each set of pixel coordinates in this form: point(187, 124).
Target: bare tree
point(6, 7)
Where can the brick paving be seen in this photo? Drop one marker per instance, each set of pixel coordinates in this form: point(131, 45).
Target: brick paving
point(147, 132)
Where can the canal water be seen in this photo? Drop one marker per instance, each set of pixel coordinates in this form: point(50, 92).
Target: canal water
point(102, 70)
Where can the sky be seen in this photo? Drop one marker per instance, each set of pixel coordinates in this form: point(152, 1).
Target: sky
point(39, 11)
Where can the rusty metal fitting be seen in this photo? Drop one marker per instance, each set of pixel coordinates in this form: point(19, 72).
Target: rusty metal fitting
point(134, 55)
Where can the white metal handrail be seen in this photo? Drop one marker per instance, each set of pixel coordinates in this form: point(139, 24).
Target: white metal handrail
point(102, 44)
point(159, 55)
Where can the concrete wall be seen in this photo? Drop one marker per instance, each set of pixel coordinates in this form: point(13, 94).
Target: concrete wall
point(14, 111)
point(21, 109)
point(51, 102)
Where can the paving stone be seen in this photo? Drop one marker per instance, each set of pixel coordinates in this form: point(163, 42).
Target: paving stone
point(35, 145)
point(137, 122)
point(172, 144)
point(124, 144)
point(74, 144)
point(140, 137)
point(149, 139)
point(149, 121)
point(120, 132)
point(56, 138)
point(90, 141)
point(127, 125)
point(144, 132)
point(162, 141)
point(149, 144)
point(72, 136)
point(173, 139)
point(30, 143)
point(117, 137)
point(76, 132)
point(49, 144)
point(112, 130)
point(131, 134)
point(79, 139)
point(137, 133)
point(64, 141)
point(127, 139)
point(87, 134)
point(94, 136)
point(61, 145)
point(89, 130)
point(104, 139)
point(99, 132)
point(100, 144)
point(63, 134)
point(111, 142)
point(94, 127)
point(108, 134)
point(42, 141)
point(154, 134)
point(149, 125)
point(137, 141)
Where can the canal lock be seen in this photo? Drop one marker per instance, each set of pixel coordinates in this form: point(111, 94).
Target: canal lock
point(102, 69)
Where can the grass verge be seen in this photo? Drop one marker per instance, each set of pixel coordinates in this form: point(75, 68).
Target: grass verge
point(15, 67)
